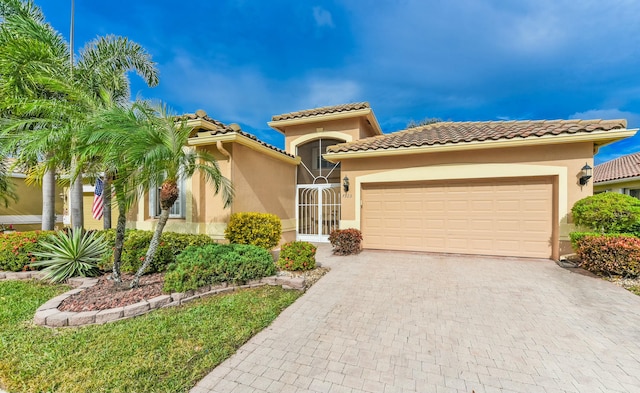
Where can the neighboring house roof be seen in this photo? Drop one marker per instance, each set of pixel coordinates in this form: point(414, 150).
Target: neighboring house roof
point(325, 113)
point(459, 134)
point(322, 111)
point(624, 167)
point(213, 130)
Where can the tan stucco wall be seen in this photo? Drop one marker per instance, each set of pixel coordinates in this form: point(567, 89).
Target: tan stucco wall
point(617, 186)
point(345, 129)
point(26, 213)
point(92, 223)
point(560, 162)
point(261, 184)
point(266, 185)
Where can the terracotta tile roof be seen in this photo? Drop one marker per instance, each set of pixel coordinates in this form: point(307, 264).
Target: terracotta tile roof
point(445, 133)
point(222, 129)
point(322, 111)
point(621, 168)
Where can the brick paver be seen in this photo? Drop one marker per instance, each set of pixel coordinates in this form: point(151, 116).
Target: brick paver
point(403, 322)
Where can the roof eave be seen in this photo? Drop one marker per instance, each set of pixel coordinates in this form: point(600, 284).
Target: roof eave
point(279, 125)
point(616, 181)
point(202, 124)
point(605, 137)
point(235, 137)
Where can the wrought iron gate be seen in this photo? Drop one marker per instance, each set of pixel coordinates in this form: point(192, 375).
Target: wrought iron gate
point(318, 211)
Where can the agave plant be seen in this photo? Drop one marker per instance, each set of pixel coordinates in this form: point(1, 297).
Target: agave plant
point(75, 253)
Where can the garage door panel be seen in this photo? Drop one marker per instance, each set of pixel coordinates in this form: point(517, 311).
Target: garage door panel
point(495, 217)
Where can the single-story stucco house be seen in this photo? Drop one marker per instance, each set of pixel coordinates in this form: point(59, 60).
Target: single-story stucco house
point(621, 175)
point(25, 214)
point(495, 187)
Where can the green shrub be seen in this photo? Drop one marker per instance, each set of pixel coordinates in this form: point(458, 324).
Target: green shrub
point(610, 254)
point(216, 263)
point(608, 212)
point(346, 241)
point(297, 256)
point(16, 249)
point(69, 254)
point(260, 229)
point(136, 244)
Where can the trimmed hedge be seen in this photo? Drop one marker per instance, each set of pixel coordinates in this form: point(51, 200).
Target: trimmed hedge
point(608, 212)
point(297, 256)
point(216, 263)
point(610, 254)
point(136, 244)
point(16, 249)
point(346, 241)
point(259, 229)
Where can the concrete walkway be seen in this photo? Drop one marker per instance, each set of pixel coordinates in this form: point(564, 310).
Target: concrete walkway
point(402, 322)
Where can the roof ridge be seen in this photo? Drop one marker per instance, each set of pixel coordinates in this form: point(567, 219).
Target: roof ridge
point(348, 107)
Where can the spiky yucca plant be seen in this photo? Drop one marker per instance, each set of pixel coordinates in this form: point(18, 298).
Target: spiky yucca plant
point(70, 254)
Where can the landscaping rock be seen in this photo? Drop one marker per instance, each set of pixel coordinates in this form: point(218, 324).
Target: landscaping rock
point(2, 276)
point(269, 280)
point(291, 282)
point(109, 315)
point(136, 309)
point(202, 290)
point(76, 281)
point(159, 301)
point(83, 318)
point(17, 275)
point(189, 299)
point(41, 316)
point(59, 319)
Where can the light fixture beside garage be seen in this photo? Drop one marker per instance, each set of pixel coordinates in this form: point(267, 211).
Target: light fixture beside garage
point(585, 174)
point(345, 184)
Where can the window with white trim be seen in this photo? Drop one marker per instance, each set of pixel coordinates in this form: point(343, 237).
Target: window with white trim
point(178, 210)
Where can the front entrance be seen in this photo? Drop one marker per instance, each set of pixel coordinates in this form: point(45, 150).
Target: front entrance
point(318, 211)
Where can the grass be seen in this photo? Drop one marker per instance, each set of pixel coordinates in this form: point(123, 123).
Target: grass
point(168, 350)
point(635, 289)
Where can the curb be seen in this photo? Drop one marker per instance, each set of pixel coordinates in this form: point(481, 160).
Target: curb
point(49, 315)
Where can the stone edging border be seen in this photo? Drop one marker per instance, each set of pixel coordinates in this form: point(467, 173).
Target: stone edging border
point(49, 315)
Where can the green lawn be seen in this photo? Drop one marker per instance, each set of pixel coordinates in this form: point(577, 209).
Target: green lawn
point(168, 350)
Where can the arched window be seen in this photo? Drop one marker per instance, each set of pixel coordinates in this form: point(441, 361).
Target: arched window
point(314, 169)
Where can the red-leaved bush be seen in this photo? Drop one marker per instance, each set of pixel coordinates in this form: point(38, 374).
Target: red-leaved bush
point(612, 255)
point(346, 241)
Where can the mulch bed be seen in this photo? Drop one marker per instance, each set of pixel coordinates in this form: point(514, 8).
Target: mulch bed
point(107, 294)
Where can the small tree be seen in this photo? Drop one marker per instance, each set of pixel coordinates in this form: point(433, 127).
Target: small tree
point(608, 212)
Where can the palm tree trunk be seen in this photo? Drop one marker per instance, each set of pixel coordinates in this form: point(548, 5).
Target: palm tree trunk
point(77, 208)
point(106, 196)
point(119, 243)
point(153, 246)
point(49, 200)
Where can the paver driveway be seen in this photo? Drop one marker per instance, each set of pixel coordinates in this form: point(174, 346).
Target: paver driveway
point(402, 322)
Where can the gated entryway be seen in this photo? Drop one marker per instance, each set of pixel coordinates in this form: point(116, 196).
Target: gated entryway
point(318, 211)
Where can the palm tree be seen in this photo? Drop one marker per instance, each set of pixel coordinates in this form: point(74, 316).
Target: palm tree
point(102, 141)
point(102, 68)
point(160, 153)
point(42, 101)
point(7, 193)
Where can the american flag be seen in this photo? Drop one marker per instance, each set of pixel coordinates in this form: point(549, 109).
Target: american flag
point(98, 203)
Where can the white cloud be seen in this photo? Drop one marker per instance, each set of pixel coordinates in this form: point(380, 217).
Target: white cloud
point(633, 119)
point(324, 92)
point(322, 17)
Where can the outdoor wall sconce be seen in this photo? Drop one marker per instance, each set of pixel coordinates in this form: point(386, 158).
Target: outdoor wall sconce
point(585, 174)
point(345, 184)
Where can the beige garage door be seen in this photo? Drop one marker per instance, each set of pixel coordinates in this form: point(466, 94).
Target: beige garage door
point(492, 217)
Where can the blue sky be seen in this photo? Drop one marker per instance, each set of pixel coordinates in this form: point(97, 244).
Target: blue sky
point(243, 61)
